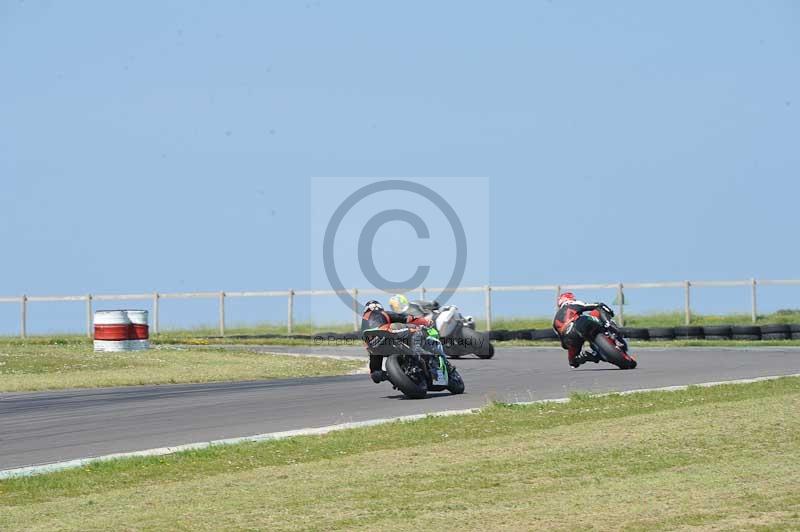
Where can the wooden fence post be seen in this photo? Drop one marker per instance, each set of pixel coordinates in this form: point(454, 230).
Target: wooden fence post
point(487, 301)
point(89, 316)
point(156, 298)
point(222, 313)
point(558, 293)
point(23, 317)
point(290, 313)
point(687, 303)
point(356, 321)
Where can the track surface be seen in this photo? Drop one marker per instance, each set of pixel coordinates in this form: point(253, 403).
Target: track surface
point(44, 427)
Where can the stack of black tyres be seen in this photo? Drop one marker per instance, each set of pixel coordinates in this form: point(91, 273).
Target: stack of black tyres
point(778, 331)
point(635, 333)
point(661, 333)
point(746, 332)
point(523, 334)
point(544, 334)
point(717, 332)
point(499, 335)
point(689, 332)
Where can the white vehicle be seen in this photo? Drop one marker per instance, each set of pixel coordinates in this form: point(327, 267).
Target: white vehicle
point(457, 332)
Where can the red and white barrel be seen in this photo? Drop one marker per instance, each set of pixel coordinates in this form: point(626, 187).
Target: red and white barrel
point(121, 330)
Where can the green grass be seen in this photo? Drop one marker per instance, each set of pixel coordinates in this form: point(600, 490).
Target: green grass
point(726, 458)
point(57, 363)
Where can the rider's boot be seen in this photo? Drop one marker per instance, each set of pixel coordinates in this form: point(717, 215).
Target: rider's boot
point(378, 376)
point(587, 355)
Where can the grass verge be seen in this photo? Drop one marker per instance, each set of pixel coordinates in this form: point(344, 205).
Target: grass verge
point(27, 365)
point(726, 457)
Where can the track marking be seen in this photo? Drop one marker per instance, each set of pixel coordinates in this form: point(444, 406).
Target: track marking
point(161, 451)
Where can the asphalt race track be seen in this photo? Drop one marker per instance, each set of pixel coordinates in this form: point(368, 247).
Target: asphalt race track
point(44, 427)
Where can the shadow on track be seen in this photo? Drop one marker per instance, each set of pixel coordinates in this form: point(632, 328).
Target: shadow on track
point(431, 395)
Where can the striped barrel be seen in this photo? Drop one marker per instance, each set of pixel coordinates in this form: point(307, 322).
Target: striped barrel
point(121, 330)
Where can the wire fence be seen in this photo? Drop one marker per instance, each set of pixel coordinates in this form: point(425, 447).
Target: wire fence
point(24, 301)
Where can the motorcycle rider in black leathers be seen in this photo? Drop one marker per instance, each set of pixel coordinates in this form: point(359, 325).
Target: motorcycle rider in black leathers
point(574, 328)
point(404, 326)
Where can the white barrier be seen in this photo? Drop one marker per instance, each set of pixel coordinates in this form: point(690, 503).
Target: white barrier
point(290, 295)
point(121, 330)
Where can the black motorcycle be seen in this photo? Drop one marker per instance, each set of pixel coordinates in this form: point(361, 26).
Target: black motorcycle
point(414, 375)
point(609, 342)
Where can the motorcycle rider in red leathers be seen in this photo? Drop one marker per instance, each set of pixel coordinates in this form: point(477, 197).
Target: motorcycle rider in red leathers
point(404, 326)
point(574, 328)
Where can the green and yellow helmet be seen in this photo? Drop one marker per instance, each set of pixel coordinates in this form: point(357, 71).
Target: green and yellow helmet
point(398, 303)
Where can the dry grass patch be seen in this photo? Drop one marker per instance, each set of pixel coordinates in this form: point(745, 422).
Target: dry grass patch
point(26, 366)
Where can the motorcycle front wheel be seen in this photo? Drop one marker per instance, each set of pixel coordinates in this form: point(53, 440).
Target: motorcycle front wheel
point(455, 384)
point(396, 370)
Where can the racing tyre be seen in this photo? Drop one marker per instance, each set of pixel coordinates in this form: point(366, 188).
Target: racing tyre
point(795, 328)
point(398, 377)
point(487, 352)
point(455, 384)
point(611, 353)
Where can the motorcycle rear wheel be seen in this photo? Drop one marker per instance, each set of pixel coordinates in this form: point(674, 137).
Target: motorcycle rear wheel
point(404, 383)
point(611, 353)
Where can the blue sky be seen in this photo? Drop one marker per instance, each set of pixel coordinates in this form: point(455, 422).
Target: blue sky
point(171, 145)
